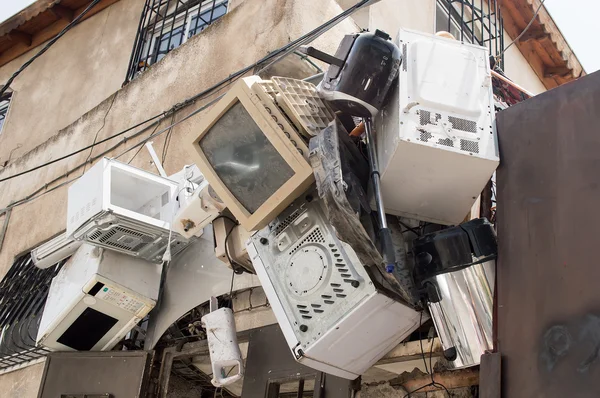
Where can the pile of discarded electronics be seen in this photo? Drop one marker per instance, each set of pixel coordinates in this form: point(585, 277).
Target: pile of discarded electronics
point(319, 190)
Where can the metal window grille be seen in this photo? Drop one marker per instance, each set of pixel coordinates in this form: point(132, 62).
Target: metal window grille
point(473, 21)
point(23, 293)
point(4, 103)
point(166, 24)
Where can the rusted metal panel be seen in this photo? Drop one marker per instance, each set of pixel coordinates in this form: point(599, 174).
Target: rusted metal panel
point(548, 195)
point(115, 374)
point(490, 375)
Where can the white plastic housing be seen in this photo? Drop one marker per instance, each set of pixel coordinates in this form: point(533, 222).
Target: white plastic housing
point(333, 317)
point(224, 349)
point(97, 298)
point(123, 208)
point(55, 250)
point(436, 140)
point(197, 211)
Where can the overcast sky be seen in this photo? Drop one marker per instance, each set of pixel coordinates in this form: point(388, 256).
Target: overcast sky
point(576, 19)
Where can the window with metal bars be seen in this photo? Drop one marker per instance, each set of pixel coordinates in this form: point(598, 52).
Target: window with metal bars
point(167, 24)
point(23, 293)
point(4, 105)
point(473, 21)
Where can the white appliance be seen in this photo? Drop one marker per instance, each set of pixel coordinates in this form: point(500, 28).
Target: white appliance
point(96, 299)
point(436, 139)
point(53, 251)
point(197, 210)
point(223, 346)
point(126, 209)
point(334, 317)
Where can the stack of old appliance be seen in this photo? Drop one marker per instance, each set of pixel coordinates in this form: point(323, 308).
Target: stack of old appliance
point(122, 224)
point(299, 189)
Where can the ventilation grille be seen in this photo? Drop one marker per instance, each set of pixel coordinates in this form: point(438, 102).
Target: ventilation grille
point(121, 238)
point(428, 118)
point(469, 126)
point(314, 237)
point(404, 59)
point(425, 136)
point(425, 118)
point(446, 142)
point(288, 220)
point(303, 105)
point(338, 286)
point(469, 146)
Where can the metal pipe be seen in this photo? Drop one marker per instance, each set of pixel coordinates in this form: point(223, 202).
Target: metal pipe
point(375, 171)
point(515, 85)
point(387, 246)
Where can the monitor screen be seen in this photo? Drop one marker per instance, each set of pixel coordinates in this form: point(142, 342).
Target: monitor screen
point(244, 159)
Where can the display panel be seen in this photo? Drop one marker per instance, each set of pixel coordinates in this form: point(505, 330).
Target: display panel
point(243, 158)
point(87, 330)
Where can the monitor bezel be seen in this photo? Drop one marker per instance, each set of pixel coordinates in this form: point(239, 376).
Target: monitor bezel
point(243, 92)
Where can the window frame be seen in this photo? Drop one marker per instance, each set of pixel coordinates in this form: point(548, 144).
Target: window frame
point(474, 25)
point(172, 23)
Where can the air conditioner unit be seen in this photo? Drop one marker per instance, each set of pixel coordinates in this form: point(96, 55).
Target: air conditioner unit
point(123, 208)
point(251, 154)
point(53, 251)
point(436, 139)
point(96, 299)
point(333, 313)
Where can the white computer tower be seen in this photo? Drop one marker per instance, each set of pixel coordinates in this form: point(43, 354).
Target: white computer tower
point(126, 209)
point(96, 299)
point(436, 139)
point(333, 316)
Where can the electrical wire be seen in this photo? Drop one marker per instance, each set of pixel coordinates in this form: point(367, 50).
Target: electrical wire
point(47, 46)
point(167, 142)
point(140, 148)
point(233, 263)
point(523, 32)
point(100, 129)
point(427, 370)
point(80, 150)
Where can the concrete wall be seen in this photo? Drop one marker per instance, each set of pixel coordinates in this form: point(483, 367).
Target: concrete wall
point(72, 77)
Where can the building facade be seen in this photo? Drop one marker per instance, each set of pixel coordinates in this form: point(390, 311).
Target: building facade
point(150, 63)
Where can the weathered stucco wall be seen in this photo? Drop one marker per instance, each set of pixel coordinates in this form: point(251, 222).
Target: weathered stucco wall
point(225, 47)
point(72, 77)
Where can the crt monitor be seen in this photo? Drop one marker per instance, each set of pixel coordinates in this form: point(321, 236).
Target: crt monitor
point(251, 155)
